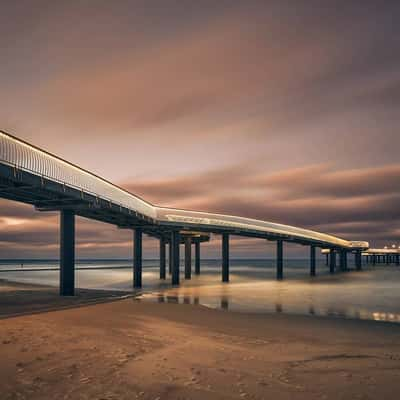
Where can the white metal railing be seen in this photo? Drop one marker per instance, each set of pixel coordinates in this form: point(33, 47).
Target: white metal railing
point(382, 251)
point(202, 218)
point(17, 153)
point(22, 155)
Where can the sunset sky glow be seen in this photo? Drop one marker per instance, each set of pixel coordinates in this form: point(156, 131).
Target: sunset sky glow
point(286, 111)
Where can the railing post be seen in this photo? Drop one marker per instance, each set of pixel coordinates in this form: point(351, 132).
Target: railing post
point(67, 253)
point(188, 258)
point(279, 259)
point(137, 258)
point(312, 260)
point(162, 259)
point(225, 257)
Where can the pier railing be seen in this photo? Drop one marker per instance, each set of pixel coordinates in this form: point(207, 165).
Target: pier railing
point(24, 156)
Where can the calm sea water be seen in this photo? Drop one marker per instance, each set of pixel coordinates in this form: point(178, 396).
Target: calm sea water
point(373, 293)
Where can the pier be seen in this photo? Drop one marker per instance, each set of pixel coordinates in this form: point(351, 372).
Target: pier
point(33, 176)
point(387, 255)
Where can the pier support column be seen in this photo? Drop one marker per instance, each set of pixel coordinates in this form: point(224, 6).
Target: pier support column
point(358, 260)
point(397, 259)
point(162, 259)
point(279, 260)
point(137, 258)
point(312, 261)
point(67, 253)
point(170, 257)
point(175, 241)
point(332, 261)
point(188, 258)
point(197, 258)
point(327, 259)
point(387, 259)
point(225, 257)
point(343, 260)
point(373, 259)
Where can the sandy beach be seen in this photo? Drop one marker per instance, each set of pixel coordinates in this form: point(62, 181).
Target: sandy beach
point(129, 349)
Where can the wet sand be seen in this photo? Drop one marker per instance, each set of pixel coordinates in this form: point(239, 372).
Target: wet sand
point(130, 349)
point(17, 298)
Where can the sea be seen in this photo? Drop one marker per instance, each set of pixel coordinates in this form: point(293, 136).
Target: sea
point(372, 294)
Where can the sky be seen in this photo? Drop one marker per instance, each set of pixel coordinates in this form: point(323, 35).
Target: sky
point(286, 111)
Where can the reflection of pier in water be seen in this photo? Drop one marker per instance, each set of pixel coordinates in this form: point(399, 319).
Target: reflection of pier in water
point(224, 303)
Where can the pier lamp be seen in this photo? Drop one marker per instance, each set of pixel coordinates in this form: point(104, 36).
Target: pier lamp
point(393, 246)
point(385, 247)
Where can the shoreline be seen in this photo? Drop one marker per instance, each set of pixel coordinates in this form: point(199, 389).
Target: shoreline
point(24, 299)
point(133, 349)
point(91, 297)
point(129, 349)
point(49, 300)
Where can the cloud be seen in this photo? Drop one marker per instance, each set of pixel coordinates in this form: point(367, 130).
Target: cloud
point(221, 68)
point(171, 191)
point(312, 197)
point(256, 108)
point(357, 204)
point(318, 179)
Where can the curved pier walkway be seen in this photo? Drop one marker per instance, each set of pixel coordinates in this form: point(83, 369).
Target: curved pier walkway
point(32, 175)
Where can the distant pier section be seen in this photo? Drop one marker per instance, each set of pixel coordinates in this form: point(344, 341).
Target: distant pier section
point(387, 255)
